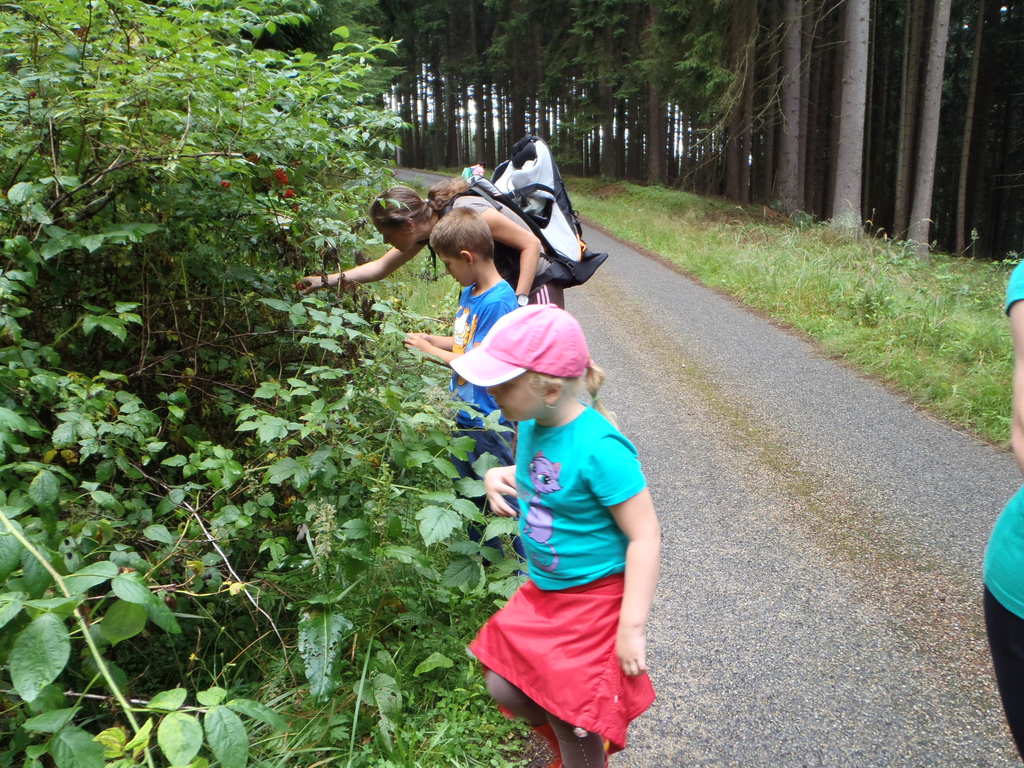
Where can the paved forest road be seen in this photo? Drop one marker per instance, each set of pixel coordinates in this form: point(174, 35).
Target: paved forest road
point(819, 602)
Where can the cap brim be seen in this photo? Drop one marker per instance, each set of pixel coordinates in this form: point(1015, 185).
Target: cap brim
point(479, 367)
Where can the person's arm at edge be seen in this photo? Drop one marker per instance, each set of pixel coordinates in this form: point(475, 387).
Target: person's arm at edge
point(370, 272)
point(637, 520)
point(1017, 422)
point(523, 240)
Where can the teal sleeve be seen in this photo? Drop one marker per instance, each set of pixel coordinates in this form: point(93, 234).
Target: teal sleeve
point(614, 473)
point(1015, 288)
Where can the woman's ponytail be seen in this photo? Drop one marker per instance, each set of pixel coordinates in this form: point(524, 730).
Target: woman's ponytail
point(398, 206)
point(593, 379)
point(442, 193)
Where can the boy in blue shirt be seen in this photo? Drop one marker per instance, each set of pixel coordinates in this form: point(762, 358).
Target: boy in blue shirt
point(463, 242)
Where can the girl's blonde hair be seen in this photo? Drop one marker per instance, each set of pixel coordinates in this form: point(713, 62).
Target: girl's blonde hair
point(592, 379)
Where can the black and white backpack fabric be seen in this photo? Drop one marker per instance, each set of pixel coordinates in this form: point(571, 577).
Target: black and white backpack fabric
point(530, 185)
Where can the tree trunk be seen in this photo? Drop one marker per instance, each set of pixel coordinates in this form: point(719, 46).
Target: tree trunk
point(846, 199)
point(909, 110)
point(924, 177)
point(960, 243)
point(747, 140)
point(479, 142)
point(790, 139)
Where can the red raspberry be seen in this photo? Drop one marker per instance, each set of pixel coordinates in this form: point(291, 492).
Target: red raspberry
point(289, 192)
point(225, 184)
point(281, 176)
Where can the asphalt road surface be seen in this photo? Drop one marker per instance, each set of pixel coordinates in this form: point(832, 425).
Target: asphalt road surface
point(820, 594)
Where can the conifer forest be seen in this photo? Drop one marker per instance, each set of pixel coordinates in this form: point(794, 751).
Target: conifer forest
point(890, 113)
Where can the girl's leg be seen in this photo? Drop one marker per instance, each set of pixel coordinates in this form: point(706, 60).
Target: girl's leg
point(1006, 640)
point(514, 700)
point(578, 752)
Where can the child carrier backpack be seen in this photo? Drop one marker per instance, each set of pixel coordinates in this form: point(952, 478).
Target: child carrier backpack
point(530, 186)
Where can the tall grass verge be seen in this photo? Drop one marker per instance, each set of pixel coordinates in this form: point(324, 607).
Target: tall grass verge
point(934, 329)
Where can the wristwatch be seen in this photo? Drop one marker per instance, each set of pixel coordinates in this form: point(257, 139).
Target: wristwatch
point(522, 299)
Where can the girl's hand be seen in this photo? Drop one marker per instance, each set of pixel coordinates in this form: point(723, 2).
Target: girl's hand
point(631, 648)
point(498, 483)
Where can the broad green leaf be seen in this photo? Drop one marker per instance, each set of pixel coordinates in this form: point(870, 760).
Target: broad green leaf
point(140, 741)
point(470, 487)
point(10, 554)
point(169, 700)
point(288, 469)
point(319, 635)
point(211, 697)
point(20, 192)
point(227, 737)
point(113, 740)
point(260, 712)
point(162, 616)
point(44, 488)
point(158, 533)
point(11, 420)
point(437, 523)
point(180, 737)
point(51, 721)
point(433, 661)
point(39, 654)
point(92, 242)
point(106, 500)
point(280, 306)
point(88, 577)
point(34, 577)
point(74, 748)
point(10, 606)
point(499, 526)
point(58, 606)
point(463, 573)
point(484, 462)
point(387, 695)
point(129, 587)
point(122, 621)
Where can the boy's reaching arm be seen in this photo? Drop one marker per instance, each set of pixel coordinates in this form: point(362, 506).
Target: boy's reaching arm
point(636, 518)
point(438, 347)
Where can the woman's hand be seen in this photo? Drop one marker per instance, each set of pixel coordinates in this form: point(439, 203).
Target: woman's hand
point(498, 483)
point(631, 648)
point(311, 283)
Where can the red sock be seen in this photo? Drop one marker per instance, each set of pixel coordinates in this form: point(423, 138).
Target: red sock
point(546, 732)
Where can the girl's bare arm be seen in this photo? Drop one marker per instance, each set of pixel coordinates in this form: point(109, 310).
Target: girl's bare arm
point(523, 240)
point(637, 520)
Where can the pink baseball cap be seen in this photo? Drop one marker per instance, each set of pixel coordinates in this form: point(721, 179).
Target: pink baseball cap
point(537, 337)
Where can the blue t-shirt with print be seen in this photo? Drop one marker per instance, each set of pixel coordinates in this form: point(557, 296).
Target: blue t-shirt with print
point(567, 477)
point(474, 318)
point(1004, 556)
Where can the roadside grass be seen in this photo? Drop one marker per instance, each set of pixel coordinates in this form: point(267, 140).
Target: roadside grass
point(934, 329)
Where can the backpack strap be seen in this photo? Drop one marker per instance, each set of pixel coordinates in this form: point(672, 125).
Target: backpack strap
point(490, 193)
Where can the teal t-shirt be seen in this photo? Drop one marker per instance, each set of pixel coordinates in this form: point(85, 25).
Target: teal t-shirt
point(1004, 556)
point(567, 478)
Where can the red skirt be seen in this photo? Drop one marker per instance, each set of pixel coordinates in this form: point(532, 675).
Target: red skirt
point(558, 647)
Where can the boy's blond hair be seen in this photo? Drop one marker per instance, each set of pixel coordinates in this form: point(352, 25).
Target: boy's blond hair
point(463, 229)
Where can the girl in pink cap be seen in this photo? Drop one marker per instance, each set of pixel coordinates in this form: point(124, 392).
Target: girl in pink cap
point(567, 652)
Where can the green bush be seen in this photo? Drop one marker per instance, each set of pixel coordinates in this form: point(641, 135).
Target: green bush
point(228, 528)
